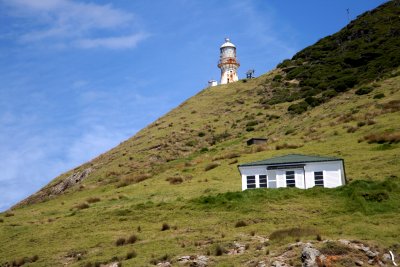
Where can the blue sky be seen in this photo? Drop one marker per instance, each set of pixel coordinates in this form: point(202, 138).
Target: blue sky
point(79, 77)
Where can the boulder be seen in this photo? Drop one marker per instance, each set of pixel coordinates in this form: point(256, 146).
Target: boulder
point(309, 256)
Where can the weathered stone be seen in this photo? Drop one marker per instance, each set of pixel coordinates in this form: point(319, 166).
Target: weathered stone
point(164, 264)
point(112, 264)
point(278, 264)
point(359, 263)
point(371, 261)
point(309, 256)
point(261, 264)
point(201, 261)
point(386, 258)
point(371, 254)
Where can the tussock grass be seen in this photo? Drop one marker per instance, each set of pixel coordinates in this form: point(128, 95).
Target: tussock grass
point(296, 232)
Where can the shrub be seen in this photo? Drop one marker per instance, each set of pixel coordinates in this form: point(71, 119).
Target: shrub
point(93, 199)
point(277, 78)
point(165, 226)
point(203, 149)
point(250, 128)
point(252, 123)
point(319, 238)
point(132, 239)
point(9, 214)
point(175, 180)
point(296, 232)
point(298, 108)
point(379, 96)
point(201, 134)
point(240, 224)
point(219, 250)
point(131, 254)
point(211, 166)
point(364, 90)
point(331, 248)
point(82, 206)
point(120, 241)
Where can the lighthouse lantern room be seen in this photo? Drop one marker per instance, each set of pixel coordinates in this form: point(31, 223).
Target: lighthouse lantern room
point(228, 62)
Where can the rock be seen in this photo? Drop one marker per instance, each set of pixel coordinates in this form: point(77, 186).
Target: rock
point(371, 261)
point(371, 254)
point(386, 258)
point(344, 242)
point(112, 264)
point(201, 261)
point(309, 256)
point(278, 264)
point(261, 264)
point(359, 263)
point(237, 249)
point(164, 264)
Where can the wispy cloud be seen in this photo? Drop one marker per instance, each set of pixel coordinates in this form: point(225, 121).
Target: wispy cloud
point(68, 22)
point(112, 42)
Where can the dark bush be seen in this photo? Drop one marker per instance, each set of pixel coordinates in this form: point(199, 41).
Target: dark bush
point(9, 214)
point(277, 78)
point(379, 96)
point(240, 224)
point(120, 241)
point(132, 239)
point(93, 199)
point(219, 250)
point(252, 123)
point(203, 149)
point(312, 101)
point(1, 220)
point(201, 134)
point(298, 108)
point(364, 90)
point(175, 180)
point(250, 128)
point(131, 254)
point(375, 196)
point(165, 226)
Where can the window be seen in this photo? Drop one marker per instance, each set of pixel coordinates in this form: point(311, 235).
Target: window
point(263, 181)
point(319, 178)
point(251, 181)
point(290, 181)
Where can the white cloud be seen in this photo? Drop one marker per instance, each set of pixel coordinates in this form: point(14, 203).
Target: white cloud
point(71, 22)
point(112, 42)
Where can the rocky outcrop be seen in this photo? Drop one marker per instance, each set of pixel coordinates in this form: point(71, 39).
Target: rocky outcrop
point(56, 189)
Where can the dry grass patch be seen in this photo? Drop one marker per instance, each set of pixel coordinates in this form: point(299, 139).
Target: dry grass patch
point(211, 166)
point(383, 138)
point(287, 146)
point(92, 200)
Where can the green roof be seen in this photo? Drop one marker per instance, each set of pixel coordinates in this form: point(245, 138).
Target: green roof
point(290, 159)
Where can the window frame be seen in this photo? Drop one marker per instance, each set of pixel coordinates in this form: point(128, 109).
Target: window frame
point(250, 185)
point(263, 184)
point(319, 178)
point(292, 181)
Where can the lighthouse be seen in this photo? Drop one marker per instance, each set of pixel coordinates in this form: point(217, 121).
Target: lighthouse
point(228, 62)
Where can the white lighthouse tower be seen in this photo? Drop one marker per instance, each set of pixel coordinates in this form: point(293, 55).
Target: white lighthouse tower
point(228, 62)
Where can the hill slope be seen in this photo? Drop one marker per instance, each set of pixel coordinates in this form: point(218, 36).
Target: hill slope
point(179, 169)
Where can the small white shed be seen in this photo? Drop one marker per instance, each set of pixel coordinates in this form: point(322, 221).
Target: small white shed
point(293, 170)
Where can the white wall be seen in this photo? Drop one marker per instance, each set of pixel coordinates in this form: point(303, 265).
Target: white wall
point(332, 170)
point(333, 173)
point(256, 171)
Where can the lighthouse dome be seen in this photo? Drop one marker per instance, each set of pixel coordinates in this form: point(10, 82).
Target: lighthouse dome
point(227, 43)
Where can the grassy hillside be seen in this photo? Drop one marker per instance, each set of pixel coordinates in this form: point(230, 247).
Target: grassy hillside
point(173, 188)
